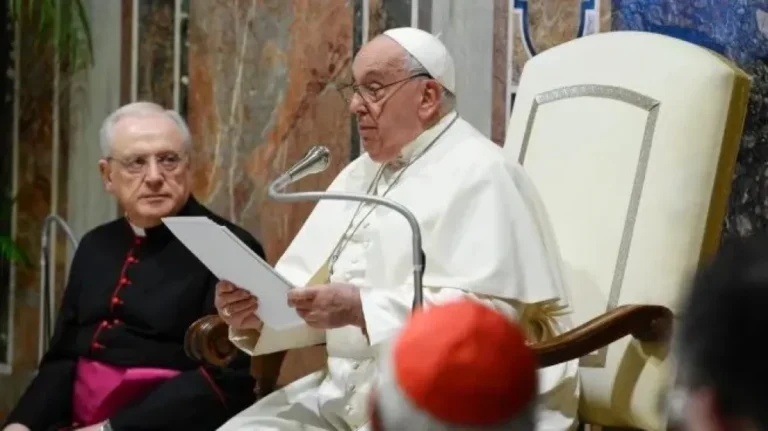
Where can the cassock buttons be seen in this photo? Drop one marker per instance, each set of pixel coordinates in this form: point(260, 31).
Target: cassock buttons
point(116, 300)
point(96, 346)
point(124, 281)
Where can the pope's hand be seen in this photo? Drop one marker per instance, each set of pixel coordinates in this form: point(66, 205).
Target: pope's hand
point(328, 306)
point(237, 306)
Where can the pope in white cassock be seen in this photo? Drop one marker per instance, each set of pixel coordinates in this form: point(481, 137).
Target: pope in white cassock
point(485, 236)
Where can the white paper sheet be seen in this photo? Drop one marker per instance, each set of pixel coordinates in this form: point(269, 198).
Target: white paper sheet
point(228, 258)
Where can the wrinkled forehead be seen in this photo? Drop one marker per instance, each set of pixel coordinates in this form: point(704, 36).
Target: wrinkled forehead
point(381, 58)
point(146, 133)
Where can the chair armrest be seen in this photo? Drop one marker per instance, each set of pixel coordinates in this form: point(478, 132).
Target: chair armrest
point(647, 323)
point(207, 340)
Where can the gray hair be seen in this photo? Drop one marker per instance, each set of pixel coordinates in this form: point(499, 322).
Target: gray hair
point(139, 109)
point(414, 67)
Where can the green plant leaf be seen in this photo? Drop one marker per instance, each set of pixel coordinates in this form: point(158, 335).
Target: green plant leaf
point(63, 24)
point(12, 252)
point(86, 27)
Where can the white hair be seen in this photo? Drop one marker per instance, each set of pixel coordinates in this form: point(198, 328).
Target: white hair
point(139, 109)
point(396, 412)
point(414, 67)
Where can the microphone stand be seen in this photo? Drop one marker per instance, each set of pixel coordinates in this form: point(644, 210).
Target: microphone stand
point(276, 193)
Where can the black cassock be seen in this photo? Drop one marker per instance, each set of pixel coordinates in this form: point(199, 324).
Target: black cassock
point(129, 301)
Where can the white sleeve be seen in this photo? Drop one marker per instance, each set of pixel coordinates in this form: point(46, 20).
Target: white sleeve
point(257, 343)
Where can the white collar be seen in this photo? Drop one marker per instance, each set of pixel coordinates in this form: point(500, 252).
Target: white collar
point(138, 231)
point(418, 145)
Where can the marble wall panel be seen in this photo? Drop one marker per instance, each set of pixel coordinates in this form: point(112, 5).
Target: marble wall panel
point(154, 71)
point(736, 29)
point(538, 25)
point(260, 95)
point(499, 78)
point(386, 14)
point(35, 188)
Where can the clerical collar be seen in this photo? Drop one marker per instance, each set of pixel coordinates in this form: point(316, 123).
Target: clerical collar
point(418, 145)
point(191, 207)
point(138, 231)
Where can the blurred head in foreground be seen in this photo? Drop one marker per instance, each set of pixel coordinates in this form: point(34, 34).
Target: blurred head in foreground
point(458, 366)
point(721, 328)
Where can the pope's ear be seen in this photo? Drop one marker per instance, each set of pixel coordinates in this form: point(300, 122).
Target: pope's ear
point(431, 97)
point(106, 174)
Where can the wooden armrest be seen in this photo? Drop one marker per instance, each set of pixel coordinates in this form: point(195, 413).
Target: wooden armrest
point(208, 340)
point(647, 323)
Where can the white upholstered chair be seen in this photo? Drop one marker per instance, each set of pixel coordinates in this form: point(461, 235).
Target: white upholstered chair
point(630, 139)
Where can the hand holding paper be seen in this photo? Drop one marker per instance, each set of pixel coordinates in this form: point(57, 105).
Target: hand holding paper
point(230, 259)
point(328, 306)
point(237, 307)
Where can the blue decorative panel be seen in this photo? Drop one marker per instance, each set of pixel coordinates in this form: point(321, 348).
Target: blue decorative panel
point(588, 11)
point(736, 28)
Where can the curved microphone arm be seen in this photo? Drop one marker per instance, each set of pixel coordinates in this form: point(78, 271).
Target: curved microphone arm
point(275, 192)
point(47, 300)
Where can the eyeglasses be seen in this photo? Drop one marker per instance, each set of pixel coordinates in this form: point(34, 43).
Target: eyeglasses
point(373, 92)
point(166, 162)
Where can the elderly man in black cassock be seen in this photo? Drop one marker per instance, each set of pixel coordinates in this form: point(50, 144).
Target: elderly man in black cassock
point(116, 360)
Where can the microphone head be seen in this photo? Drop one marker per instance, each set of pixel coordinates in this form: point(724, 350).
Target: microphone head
point(316, 160)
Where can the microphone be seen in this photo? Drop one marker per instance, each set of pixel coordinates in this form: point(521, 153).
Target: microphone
point(317, 160)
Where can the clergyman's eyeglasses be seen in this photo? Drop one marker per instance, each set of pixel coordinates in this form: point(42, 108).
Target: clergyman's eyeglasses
point(136, 165)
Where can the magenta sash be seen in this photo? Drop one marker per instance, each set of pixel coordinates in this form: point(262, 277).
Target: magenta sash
point(101, 390)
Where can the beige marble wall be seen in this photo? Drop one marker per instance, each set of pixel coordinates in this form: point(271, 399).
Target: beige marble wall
point(260, 95)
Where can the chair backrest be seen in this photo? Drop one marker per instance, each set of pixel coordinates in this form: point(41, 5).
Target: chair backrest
point(630, 139)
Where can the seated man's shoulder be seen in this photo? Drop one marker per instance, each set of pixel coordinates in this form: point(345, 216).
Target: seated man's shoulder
point(104, 232)
point(479, 157)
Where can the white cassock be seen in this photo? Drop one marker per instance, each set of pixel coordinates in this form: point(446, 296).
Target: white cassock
point(485, 235)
